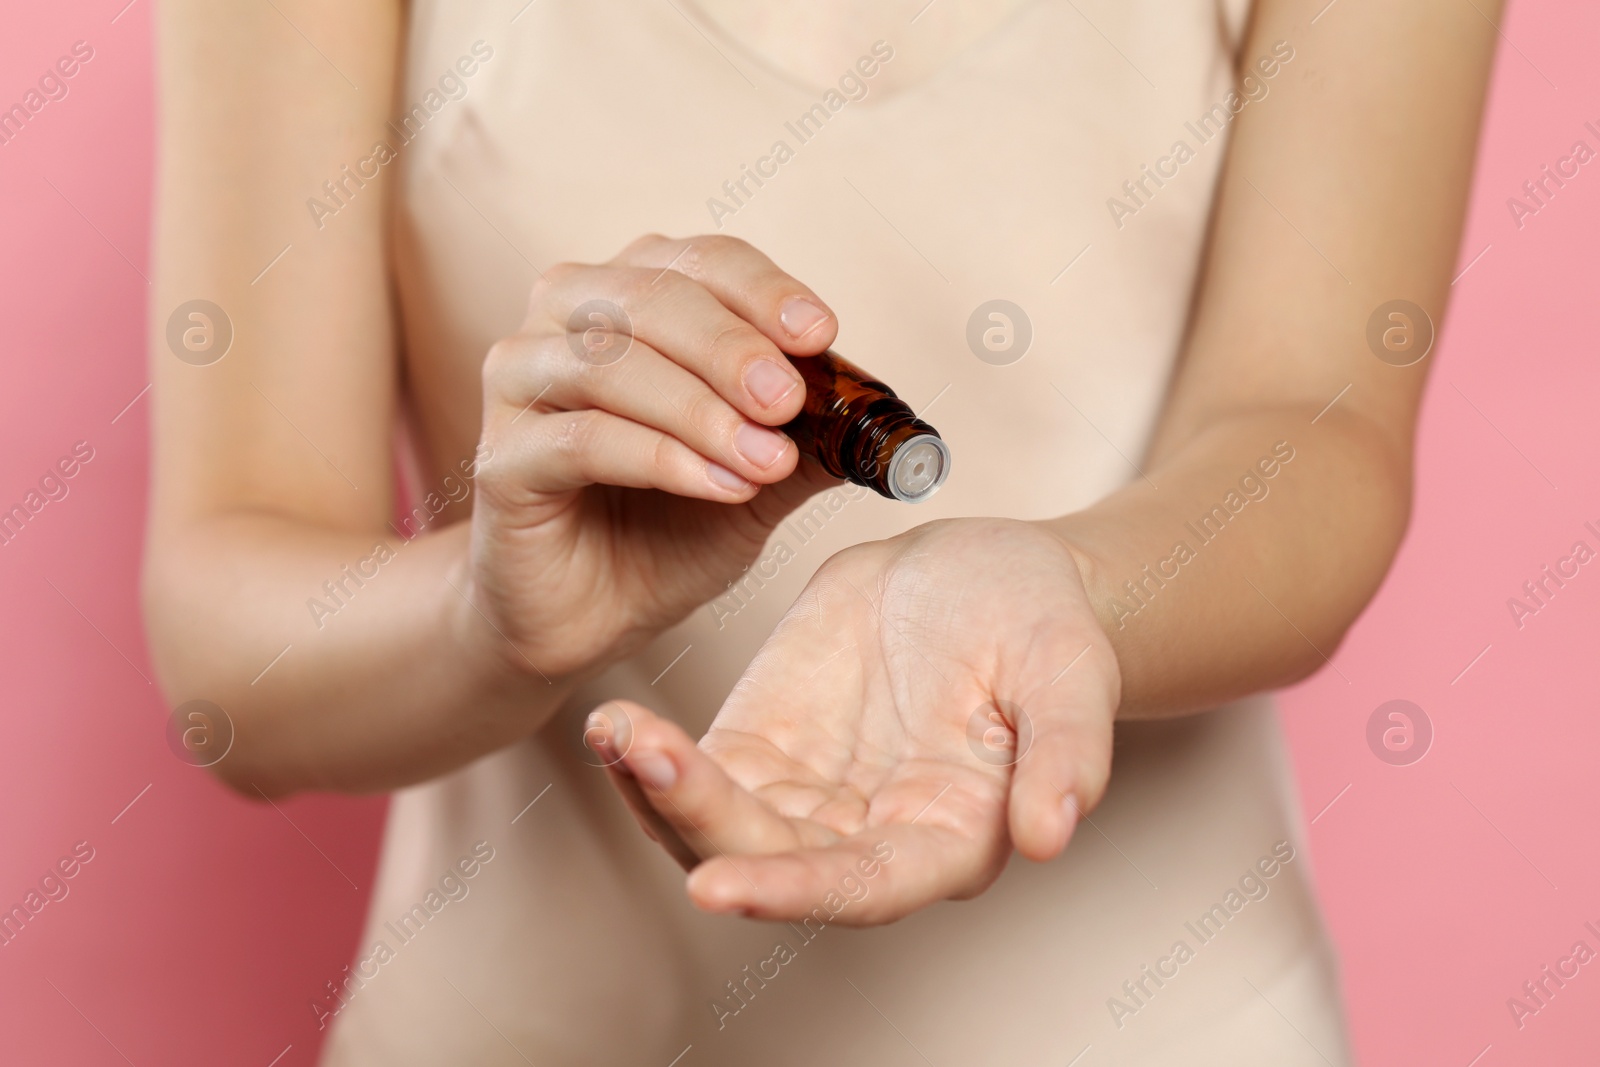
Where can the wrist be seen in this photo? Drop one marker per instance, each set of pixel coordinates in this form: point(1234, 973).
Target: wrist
point(1090, 567)
point(504, 680)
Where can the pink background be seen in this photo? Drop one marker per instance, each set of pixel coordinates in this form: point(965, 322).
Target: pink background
point(205, 924)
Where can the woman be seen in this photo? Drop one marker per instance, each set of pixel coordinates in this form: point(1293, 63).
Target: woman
point(1180, 471)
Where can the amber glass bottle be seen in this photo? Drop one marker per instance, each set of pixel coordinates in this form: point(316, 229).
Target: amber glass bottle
point(858, 429)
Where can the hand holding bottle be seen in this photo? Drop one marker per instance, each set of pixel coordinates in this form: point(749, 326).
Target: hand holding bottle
point(634, 466)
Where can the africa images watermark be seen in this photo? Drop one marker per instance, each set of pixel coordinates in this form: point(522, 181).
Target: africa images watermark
point(352, 578)
point(1540, 191)
point(1537, 992)
point(1253, 486)
point(1252, 88)
point(343, 188)
point(852, 87)
point(1253, 887)
point(453, 885)
point(51, 86)
point(803, 527)
point(53, 888)
point(53, 487)
point(851, 890)
point(1538, 591)
point(1399, 733)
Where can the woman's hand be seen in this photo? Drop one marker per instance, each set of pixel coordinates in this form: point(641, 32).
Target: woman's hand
point(948, 691)
point(632, 470)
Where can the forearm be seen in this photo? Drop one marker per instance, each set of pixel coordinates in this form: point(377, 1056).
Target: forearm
point(344, 661)
point(1215, 579)
point(1318, 240)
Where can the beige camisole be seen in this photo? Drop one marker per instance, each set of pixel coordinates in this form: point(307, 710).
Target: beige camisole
point(519, 916)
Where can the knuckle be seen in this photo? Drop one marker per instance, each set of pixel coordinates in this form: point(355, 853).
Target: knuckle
point(496, 481)
point(724, 242)
point(547, 357)
point(720, 246)
point(557, 276)
point(705, 254)
point(539, 295)
point(575, 434)
point(493, 474)
point(736, 342)
point(635, 284)
point(645, 243)
point(493, 462)
point(664, 456)
point(500, 364)
point(514, 364)
point(705, 412)
point(691, 260)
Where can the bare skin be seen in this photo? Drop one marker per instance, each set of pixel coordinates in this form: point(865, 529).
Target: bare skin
point(605, 512)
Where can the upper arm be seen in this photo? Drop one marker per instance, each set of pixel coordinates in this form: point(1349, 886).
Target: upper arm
point(257, 111)
point(1344, 189)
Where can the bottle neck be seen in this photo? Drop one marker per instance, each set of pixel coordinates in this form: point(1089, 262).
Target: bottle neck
point(857, 428)
point(895, 453)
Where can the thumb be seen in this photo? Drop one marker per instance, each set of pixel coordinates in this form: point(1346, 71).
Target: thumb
point(1063, 773)
point(778, 501)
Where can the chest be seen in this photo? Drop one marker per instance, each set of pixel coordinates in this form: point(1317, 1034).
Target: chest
point(913, 179)
point(810, 43)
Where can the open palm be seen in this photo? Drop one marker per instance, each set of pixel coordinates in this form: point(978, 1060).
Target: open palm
point(927, 704)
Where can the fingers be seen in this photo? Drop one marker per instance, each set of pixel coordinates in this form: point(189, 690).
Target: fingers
point(567, 450)
point(876, 877)
point(601, 735)
point(1064, 772)
point(645, 388)
point(747, 283)
point(776, 501)
point(694, 795)
point(684, 321)
point(686, 341)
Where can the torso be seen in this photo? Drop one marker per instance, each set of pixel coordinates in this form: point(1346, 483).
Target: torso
point(811, 43)
point(977, 167)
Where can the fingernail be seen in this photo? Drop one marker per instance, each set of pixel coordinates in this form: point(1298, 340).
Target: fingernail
point(800, 316)
point(769, 383)
point(655, 769)
point(725, 478)
point(759, 445)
